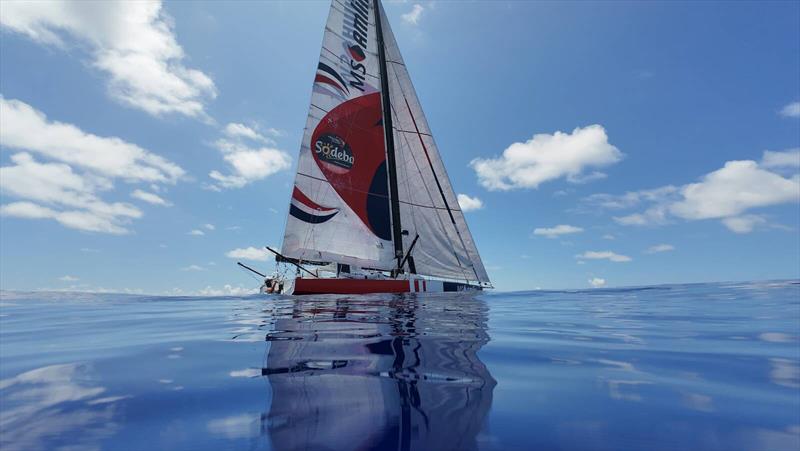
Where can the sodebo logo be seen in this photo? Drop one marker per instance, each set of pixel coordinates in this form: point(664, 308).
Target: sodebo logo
point(333, 150)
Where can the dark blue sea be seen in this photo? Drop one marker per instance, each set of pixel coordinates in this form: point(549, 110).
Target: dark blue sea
point(694, 367)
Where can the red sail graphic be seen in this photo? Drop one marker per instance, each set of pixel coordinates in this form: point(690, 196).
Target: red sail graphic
point(348, 145)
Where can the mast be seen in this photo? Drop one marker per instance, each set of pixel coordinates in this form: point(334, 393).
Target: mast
point(388, 132)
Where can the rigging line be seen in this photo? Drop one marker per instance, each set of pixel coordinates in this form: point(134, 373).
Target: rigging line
point(436, 178)
point(413, 132)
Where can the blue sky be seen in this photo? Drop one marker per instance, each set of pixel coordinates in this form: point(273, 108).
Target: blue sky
point(636, 137)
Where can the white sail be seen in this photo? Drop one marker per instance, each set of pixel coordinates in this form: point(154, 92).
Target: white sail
point(341, 208)
point(428, 206)
point(340, 205)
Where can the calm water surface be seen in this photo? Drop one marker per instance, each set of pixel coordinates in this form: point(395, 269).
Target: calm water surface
point(709, 366)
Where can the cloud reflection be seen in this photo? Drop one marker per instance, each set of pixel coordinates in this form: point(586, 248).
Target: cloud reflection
point(55, 404)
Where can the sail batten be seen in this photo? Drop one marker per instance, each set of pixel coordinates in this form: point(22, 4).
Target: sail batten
point(369, 171)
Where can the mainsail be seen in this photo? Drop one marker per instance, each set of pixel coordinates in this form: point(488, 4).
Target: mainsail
point(345, 206)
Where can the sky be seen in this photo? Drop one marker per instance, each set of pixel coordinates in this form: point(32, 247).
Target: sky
point(147, 147)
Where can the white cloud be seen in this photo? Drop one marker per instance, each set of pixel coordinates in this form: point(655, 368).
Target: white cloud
point(236, 427)
point(726, 194)
point(603, 255)
point(237, 130)
point(609, 236)
point(744, 223)
point(250, 253)
point(196, 232)
point(660, 248)
point(29, 129)
point(791, 110)
point(412, 17)
point(786, 159)
point(209, 226)
point(69, 198)
point(132, 42)
point(248, 164)
point(548, 157)
point(555, 232)
point(193, 268)
point(629, 199)
point(150, 198)
point(68, 279)
point(227, 290)
point(730, 191)
point(597, 282)
point(469, 203)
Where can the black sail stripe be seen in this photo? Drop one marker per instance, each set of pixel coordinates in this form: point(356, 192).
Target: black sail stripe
point(309, 218)
point(327, 69)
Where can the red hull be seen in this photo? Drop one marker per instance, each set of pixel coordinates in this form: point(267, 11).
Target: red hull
point(349, 286)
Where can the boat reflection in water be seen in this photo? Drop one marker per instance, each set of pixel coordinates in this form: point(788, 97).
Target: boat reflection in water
point(394, 372)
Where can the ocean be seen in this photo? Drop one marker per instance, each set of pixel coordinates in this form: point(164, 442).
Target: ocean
point(695, 367)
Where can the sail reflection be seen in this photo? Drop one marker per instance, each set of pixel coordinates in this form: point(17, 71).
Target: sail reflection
point(382, 372)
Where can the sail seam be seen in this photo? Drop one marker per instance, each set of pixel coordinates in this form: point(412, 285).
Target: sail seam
point(433, 207)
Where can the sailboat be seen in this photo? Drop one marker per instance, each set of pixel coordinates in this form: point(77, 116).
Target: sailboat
point(372, 209)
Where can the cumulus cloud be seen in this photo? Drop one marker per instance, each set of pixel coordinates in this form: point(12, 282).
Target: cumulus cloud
point(786, 159)
point(603, 255)
point(68, 279)
point(744, 223)
point(133, 43)
point(660, 248)
point(555, 232)
point(209, 227)
point(237, 130)
point(150, 198)
point(412, 17)
point(597, 282)
point(727, 194)
point(730, 191)
point(249, 253)
point(84, 165)
point(247, 164)
point(196, 232)
point(469, 203)
point(549, 157)
point(26, 128)
point(54, 191)
point(791, 110)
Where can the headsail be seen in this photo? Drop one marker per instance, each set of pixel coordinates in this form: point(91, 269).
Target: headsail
point(428, 205)
point(340, 204)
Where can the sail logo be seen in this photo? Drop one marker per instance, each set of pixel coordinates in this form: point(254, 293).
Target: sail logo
point(356, 25)
point(328, 76)
point(332, 150)
point(306, 210)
